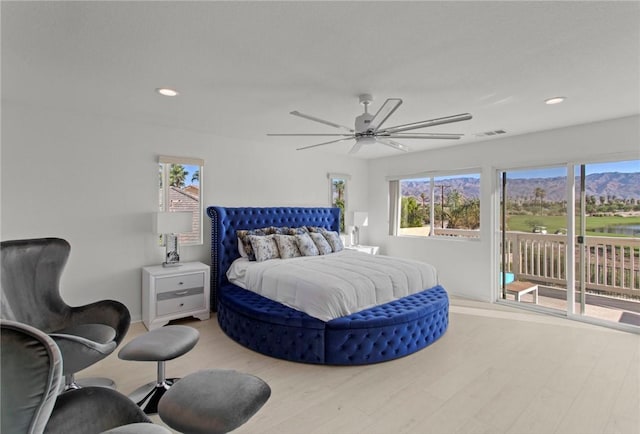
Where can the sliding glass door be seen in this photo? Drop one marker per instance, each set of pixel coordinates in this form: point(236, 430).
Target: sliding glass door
point(570, 240)
point(533, 241)
point(608, 241)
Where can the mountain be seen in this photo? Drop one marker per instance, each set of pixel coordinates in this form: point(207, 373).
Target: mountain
point(608, 185)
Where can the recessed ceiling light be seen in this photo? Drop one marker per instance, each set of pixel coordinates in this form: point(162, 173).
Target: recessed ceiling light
point(555, 100)
point(165, 91)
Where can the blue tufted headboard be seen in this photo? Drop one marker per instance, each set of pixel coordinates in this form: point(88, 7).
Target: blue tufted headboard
point(225, 222)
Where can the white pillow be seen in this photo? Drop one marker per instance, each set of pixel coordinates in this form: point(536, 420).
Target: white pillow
point(264, 247)
point(321, 243)
point(287, 246)
point(306, 245)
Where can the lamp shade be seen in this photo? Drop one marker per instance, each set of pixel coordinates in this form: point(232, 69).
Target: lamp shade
point(360, 218)
point(173, 222)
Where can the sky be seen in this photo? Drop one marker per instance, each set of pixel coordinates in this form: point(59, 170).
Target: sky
point(191, 170)
point(632, 166)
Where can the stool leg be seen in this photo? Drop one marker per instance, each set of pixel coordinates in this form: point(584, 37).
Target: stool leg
point(148, 396)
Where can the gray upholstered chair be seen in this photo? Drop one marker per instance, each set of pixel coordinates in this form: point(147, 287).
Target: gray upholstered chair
point(31, 377)
point(31, 271)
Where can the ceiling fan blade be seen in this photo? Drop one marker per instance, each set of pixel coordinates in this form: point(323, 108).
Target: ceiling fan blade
point(356, 147)
point(387, 109)
point(298, 134)
point(429, 123)
point(393, 144)
point(322, 121)
point(425, 136)
point(325, 143)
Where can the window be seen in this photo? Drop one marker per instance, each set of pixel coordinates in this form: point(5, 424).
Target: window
point(338, 194)
point(180, 190)
point(445, 205)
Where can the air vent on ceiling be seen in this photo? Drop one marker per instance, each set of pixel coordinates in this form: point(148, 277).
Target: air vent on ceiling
point(491, 133)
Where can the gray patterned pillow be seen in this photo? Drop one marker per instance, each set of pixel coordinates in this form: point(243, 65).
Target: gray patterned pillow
point(306, 245)
point(334, 240)
point(321, 243)
point(264, 247)
point(287, 246)
point(243, 236)
point(295, 231)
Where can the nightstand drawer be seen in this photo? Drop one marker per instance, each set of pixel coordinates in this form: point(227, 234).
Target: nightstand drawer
point(178, 293)
point(184, 281)
point(180, 304)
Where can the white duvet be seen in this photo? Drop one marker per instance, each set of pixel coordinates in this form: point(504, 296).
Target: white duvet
point(335, 285)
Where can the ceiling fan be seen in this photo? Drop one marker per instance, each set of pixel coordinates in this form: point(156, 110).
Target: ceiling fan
point(369, 130)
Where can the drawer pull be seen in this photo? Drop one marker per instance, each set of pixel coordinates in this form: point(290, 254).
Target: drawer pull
point(186, 291)
point(181, 304)
point(180, 283)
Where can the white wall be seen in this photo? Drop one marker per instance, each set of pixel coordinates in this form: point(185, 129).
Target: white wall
point(93, 181)
point(467, 267)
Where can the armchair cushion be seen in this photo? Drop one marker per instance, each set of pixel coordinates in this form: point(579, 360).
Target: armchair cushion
point(93, 410)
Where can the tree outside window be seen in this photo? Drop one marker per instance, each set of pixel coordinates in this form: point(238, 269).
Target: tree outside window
point(338, 195)
point(440, 206)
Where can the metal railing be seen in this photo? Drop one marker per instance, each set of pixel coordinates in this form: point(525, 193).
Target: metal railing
point(612, 264)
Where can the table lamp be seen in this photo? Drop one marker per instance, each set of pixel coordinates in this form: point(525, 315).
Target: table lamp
point(170, 224)
point(360, 219)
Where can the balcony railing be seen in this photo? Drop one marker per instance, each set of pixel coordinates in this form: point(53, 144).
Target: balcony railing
point(612, 264)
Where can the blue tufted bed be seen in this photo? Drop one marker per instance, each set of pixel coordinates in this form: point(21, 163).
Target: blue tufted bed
point(377, 334)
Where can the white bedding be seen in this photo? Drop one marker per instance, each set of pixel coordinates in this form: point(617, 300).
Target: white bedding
point(335, 285)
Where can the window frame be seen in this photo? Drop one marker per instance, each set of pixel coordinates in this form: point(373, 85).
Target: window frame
point(346, 178)
point(164, 163)
point(432, 177)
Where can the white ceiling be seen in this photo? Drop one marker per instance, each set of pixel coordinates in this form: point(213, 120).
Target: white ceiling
point(241, 67)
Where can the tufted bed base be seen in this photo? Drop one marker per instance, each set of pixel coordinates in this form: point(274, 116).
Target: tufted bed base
point(378, 334)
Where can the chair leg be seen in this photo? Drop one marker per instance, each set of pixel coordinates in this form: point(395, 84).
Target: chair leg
point(70, 382)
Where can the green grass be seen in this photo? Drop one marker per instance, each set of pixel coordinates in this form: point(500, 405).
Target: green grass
point(554, 223)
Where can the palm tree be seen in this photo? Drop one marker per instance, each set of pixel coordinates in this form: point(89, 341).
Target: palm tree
point(177, 175)
point(426, 217)
point(196, 176)
point(338, 187)
point(454, 199)
point(540, 193)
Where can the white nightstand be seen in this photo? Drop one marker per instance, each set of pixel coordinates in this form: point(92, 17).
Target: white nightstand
point(174, 292)
point(372, 250)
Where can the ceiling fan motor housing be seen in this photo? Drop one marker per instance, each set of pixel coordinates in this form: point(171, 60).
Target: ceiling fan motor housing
point(362, 122)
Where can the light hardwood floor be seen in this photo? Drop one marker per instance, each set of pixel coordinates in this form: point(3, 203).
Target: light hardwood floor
point(496, 370)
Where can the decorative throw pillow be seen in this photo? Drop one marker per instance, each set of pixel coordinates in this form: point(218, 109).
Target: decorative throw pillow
point(243, 235)
point(295, 231)
point(321, 243)
point(334, 240)
point(287, 246)
point(313, 229)
point(264, 247)
point(306, 245)
point(241, 250)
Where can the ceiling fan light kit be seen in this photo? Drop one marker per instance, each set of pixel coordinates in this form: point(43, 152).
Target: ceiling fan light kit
point(368, 128)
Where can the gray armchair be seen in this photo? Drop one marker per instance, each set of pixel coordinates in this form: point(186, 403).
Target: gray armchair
point(31, 271)
point(31, 376)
